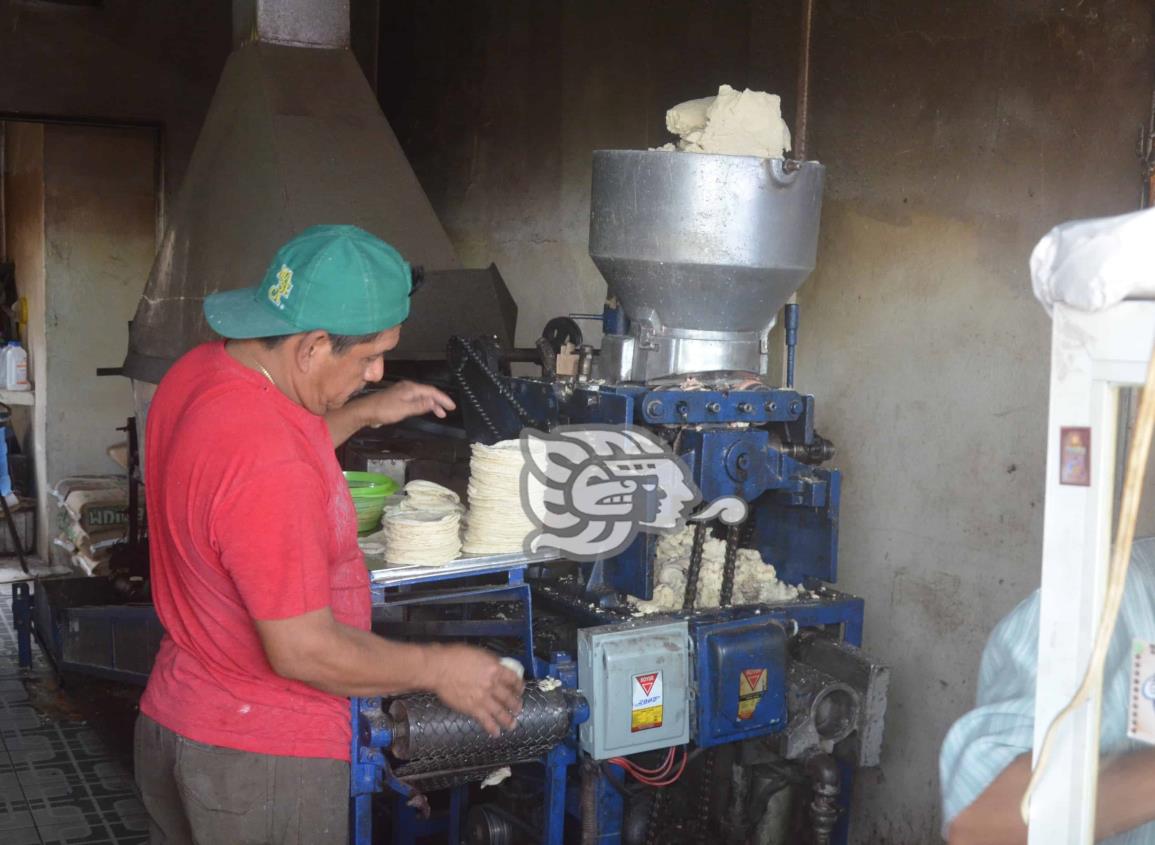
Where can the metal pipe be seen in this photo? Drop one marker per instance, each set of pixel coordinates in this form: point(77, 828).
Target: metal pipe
point(802, 107)
point(826, 782)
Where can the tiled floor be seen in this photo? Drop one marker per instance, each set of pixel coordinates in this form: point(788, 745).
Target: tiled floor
point(58, 781)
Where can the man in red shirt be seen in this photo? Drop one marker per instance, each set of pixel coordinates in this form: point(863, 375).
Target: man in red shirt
point(244, 732)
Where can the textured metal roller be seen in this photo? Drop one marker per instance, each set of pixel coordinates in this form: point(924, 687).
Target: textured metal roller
point(429, 737)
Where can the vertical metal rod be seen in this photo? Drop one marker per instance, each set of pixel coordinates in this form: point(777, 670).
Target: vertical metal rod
point(791, 320)
point(555, 769)
point(803, 105)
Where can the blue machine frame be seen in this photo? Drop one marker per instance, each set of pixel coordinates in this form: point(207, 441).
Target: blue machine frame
point(371, 772)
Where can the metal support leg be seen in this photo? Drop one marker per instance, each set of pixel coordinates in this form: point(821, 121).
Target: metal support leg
point(555, 780)
point(457, 797)
point(13, 533)
point(611, 813)
point(22, 622)
point(361, 824)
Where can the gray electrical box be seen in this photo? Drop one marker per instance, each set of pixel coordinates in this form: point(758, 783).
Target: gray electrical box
point(636, 678)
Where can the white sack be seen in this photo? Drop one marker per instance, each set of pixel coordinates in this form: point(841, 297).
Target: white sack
point(1094, 264)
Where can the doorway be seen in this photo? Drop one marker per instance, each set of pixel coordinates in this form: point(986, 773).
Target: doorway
point(81, 206)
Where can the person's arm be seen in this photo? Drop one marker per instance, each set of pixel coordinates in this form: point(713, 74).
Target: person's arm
point(385, 407)
point(1126, 800)
point(315, 649)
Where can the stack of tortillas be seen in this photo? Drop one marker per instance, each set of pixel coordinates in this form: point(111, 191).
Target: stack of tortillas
point(497, 522)
point(424, 527)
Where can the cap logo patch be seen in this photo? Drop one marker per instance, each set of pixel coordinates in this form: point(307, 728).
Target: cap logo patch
point(283, 287)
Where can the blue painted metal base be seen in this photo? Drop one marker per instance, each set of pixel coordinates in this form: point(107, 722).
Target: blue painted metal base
point(371, 773)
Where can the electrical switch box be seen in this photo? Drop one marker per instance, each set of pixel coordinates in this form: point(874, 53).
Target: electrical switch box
point(636, 678)
point(741, 679)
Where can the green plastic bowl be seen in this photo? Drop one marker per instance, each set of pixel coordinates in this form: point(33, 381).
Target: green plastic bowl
point(370, 485)
point(370, 492)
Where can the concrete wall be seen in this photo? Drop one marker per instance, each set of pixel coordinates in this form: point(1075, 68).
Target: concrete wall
point(156, 62)
point(955, 135)
point(100, 227)
point(124, 61)
point(499, 105)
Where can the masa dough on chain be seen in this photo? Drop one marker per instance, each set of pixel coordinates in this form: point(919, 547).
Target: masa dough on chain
point(754, 580)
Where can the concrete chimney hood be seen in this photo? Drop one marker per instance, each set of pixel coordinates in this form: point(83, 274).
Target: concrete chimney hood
point(294, 137)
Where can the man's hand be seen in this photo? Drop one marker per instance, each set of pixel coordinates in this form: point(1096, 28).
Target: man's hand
point(386, 407)
point(403, 400)
point(315, 649)
point(474, 683)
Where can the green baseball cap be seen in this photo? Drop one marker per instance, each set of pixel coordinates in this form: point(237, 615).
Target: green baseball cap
point(337, 278)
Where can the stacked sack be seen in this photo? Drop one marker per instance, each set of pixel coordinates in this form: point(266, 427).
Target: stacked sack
point(92, 517)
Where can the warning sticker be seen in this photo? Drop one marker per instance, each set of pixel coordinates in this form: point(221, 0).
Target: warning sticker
point(751, 686)
point(646, 712)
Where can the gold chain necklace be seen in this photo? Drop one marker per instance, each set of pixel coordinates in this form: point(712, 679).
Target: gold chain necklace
point(268, 375)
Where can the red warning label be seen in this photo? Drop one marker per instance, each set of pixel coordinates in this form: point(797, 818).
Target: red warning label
point(647, 711)
point(751, 688)
point(646, 682)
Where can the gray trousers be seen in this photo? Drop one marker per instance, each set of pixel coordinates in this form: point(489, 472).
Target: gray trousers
point(199, 794)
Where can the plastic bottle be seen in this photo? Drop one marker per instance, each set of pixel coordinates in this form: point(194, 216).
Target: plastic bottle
point(15, 367)
point(3, 371)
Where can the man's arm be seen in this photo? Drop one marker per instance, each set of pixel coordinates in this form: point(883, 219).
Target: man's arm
point(1126, 800)
point(319, 651)
point(386, 407)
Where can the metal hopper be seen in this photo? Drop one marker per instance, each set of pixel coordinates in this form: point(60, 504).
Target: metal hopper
point(701, 251)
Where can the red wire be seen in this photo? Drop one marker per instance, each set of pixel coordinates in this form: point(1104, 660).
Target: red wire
point(670, 780)
point(645, 773)
point(663, 779)
point(661, 771)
